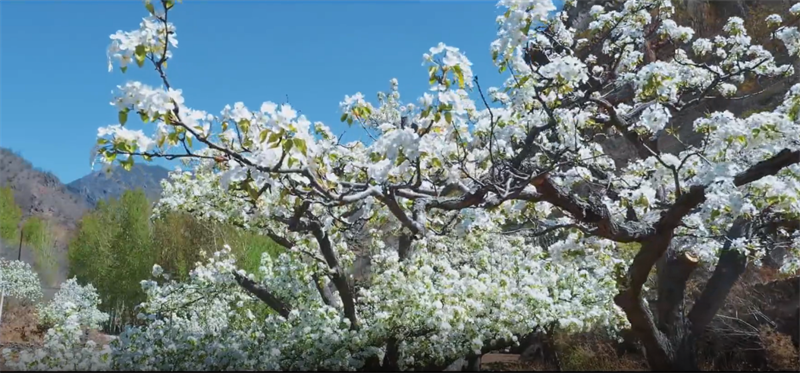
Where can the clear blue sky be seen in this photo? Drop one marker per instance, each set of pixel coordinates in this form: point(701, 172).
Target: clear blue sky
point(55, 88)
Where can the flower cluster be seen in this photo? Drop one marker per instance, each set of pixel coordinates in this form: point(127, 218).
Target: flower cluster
point(18, 280)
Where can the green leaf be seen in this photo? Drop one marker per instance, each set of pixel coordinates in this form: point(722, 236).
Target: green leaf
point(123, 68)
point(350, 121)
point(527, 27)
point(300, 144)
point(523, 80)
point(244, 124)
point(343, 118)
point(189, 141)
point(460, 76)
point(140, 54)
point(123, 117)
point(150, 7)
point(287, 146)
point(102, 141)
point(143, 116)
point(127, 164)
point(448, 116)
point(275, 138)
point(263, 136)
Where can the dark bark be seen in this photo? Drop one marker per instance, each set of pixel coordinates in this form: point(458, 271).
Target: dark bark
point(473, 364)
point(263, 294)
point(338, 276)
point(674, 270)
point(730, 267)
point(392, 356)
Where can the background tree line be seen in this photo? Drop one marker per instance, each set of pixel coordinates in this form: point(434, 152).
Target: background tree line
point(118, 243)
point(33, 232)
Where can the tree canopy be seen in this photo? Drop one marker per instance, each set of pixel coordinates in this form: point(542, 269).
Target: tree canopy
point(451, 198)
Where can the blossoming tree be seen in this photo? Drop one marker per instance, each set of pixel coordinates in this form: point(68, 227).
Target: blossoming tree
point(66, 346)
point(447, 198)
point(18, 280)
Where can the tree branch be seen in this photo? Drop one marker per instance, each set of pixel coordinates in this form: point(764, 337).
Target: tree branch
point(730, 267)
point(263, 294)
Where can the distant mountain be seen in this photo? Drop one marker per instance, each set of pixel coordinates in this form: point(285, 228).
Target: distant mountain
point(40, 193)
point(101, 185)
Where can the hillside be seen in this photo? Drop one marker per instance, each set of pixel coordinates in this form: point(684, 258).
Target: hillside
point(41, 194)
point(100, 185)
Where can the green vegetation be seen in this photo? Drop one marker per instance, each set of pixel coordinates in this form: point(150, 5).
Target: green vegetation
point(10, 215)
point(36, 235)
point(117, 245)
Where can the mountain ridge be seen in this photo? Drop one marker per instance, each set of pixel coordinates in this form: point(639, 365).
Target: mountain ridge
point(102, 185)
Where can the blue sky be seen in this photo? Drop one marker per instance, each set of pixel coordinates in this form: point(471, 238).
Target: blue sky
point(55, 88)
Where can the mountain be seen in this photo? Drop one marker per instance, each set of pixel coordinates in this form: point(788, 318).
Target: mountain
point(101, 185)
point(40, 194)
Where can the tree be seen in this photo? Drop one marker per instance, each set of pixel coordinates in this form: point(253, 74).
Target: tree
point(66, 346)
point(18, 280)
point(118, 244)
point(10, 215)
point(37, 235)
point(431, 203)
point(113, 251)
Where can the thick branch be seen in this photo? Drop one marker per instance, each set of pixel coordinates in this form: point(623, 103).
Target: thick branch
point(263, 294)
point(337, 277)
point(657, 346)
point(730, 267)
point(673, 273)
point(586, 212)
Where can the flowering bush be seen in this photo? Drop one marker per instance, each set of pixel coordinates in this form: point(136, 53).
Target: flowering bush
point(18, 280)
point(73, 298)
point(449, 201)
point(71, 312)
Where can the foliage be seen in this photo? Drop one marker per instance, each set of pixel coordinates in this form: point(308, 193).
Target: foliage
point(118, 244)
point(37, 234)
point(431, 199)
point(10, 215)
point(113, 251)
